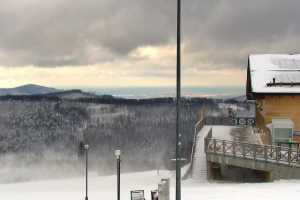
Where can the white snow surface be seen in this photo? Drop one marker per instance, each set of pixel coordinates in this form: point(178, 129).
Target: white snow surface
point(222, 132)
point(105, 188)
point(199, 159)
point(282, 67)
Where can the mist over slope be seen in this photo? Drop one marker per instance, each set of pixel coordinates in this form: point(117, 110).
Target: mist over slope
point(48, 132)
point(42, 135)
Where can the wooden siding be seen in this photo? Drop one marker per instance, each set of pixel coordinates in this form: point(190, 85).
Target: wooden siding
point(279, 106)
point(297, 139)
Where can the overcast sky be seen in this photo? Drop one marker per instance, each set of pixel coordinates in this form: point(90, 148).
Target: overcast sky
point(132, 42)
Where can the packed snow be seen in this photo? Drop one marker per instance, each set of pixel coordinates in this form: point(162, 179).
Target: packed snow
point(282, 67)
point(199, 164)
point(105, 188)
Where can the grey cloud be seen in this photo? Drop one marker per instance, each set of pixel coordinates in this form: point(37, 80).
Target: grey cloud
point(59, 29)
point(220, 33)
point(237, 28)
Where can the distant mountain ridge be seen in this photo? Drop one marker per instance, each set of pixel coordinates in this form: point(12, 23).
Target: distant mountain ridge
point(36, 92)
point(29, 89)
point(72, 94)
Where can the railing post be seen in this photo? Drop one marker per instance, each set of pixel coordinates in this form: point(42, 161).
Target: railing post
point(233, 149)
point(265, 153)
point(277, 153)
point(215, 145)
point(243, 150)
point(205, 144)
point(224, 147)
point(289, 155)
point(254, 151)
point(297, 154)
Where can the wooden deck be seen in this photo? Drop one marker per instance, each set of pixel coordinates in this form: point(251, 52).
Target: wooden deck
point(280, 162)
point(255, 152)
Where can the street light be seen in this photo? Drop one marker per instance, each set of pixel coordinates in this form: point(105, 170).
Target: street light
point(178, 104)
point(118, 157)
point(86, 147)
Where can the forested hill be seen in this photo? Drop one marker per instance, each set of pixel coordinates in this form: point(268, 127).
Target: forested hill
point(85, 97)
point(50, 129)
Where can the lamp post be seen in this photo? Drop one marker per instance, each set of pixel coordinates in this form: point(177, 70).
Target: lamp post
point(118, 157)
point(178, 104)
point(86, 147)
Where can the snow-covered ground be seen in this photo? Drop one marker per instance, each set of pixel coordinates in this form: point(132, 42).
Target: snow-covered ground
point(222, 132)
point(105, 188)
point(199, 165)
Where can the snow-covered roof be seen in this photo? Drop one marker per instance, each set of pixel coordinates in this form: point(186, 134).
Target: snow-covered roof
point(275, 73)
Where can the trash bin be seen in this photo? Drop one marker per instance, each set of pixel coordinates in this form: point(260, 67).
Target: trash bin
point(154, 195)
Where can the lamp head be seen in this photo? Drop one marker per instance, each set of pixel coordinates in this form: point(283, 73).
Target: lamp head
point(118, 153)
point(86, 146)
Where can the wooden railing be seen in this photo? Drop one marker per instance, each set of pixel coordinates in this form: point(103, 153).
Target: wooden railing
point(267, 153)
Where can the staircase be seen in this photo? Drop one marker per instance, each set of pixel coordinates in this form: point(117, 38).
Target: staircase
point(199, 168)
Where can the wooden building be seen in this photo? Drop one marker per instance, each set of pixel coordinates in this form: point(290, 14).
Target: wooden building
point(273, 81)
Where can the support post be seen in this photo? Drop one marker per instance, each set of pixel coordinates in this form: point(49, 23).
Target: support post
point(277, 153)
point(118, 157)
point(233, 149)
point(178, 104)
point(266, 153)
point(215, 145)
point(119, 175)
point(289, 155)
point(297, 154)
point(86, 147)
point(224, 147)
point(254, 151)
point(278, 149)
point(243, 150)
point(205, 144)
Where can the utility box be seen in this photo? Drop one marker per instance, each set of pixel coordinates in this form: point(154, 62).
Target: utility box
point(164, 189)
point(282, 130)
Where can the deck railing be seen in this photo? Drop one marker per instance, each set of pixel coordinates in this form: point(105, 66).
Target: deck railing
point(267, 153)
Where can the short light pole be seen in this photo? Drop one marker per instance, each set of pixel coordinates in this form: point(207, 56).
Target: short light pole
point(118, 157)
point(86, 147)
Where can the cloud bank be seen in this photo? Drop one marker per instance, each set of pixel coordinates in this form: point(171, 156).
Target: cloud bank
point(139, 36)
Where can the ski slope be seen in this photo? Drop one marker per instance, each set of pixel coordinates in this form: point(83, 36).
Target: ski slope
point(105, 188)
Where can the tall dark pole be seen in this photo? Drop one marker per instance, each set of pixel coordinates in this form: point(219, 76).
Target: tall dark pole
point(178, 104)
point(86, 147)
